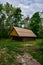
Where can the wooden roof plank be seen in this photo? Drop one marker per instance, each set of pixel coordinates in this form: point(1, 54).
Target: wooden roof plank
point(24, 32)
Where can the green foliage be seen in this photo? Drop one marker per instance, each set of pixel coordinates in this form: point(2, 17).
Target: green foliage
point(2, 18)
point(14, 14)
point(40, 44)
point(1, 7)
point(9, 50)
point(41, 32)
point(35, 23)
point(8, 8)
point(17, 16)
point(9, 16)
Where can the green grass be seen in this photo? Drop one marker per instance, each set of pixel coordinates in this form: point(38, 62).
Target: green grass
point(9, 50)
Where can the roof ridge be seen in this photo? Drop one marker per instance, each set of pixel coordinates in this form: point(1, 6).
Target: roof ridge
point(22, 28)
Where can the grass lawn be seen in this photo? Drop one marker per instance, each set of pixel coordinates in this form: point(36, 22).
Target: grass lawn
point(9, 50)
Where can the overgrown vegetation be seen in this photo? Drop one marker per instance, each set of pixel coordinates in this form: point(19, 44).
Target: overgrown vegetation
point(35, 24)
point(9, 50)
point(11, 16)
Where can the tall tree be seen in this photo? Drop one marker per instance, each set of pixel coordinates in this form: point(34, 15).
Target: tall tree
point(9, 16)
point(35, 23)
point(17, 16)
point(9, 11)
point(1, 8)
point(2, 18)
point(26, 22)
point(13, 15)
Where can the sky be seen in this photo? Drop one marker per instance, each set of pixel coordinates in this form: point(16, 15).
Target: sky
point(28, 7)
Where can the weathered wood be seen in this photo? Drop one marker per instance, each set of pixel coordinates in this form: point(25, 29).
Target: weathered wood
point(22, 34)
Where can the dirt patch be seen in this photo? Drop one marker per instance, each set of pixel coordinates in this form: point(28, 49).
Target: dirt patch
point(28, 45)
point(7, 58)
point(27, 59)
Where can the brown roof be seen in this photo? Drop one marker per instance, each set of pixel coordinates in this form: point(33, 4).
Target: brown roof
point(24, 32)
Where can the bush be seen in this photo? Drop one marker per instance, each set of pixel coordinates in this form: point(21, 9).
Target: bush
point(40, 43)
point(4, 33)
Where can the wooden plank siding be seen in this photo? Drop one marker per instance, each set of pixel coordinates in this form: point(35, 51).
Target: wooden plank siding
point(14, 33)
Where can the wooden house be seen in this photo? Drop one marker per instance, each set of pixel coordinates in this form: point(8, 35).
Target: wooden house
point(21, 34)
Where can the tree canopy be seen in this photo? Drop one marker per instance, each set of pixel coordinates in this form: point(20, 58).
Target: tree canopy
point(9, 16)
point(35, 23)
point(12, 16)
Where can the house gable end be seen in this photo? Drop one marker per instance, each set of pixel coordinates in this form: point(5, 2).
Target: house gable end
point(13, 33)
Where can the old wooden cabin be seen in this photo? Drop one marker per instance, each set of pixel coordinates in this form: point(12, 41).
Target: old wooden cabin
point(17, 33)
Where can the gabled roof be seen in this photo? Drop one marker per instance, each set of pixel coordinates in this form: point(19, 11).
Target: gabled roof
point(23, 32)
